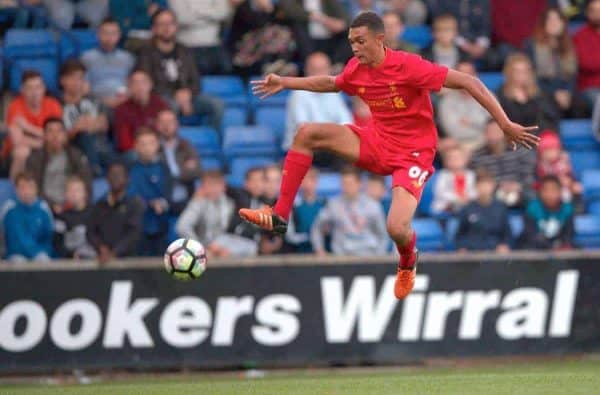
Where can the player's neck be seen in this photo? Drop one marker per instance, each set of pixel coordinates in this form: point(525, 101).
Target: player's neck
point(379, 58)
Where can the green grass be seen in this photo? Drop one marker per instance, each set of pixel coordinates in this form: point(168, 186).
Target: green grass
point(556, 377)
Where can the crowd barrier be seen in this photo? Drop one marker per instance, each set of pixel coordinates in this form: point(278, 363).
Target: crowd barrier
point(295, 311)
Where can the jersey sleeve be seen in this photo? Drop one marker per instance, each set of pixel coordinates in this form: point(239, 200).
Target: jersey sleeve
point(343, 80)
point(424, 74)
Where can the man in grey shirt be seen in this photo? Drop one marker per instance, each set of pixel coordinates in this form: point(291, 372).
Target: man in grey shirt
point(355, 221)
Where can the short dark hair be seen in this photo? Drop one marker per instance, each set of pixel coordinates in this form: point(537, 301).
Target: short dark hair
point(138, 70)
point(117, 163)
point(213, 174)
point(109, 20)
point(24, 176)
point(71, 66)
point(377, 178)
point(51, 120)
point(370, 20)
point(159, 12)
point(550, 179)
point(145, 130)
point(253, 170)
point(29, 75)
point(350, 171)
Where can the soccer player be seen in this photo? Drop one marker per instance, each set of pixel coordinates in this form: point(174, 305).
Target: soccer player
point(400, 140)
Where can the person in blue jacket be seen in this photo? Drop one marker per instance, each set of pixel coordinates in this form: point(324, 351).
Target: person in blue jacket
point(27, 223)
point(150, 180)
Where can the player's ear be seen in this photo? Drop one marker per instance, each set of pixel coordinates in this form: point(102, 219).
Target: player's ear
point(380, 37)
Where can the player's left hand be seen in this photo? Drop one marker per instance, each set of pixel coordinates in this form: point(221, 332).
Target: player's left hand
point(521, 135)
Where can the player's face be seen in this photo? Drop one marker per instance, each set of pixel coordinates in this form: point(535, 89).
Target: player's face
point(109, 35)
point(365, 44)
point(550, 194)
point(27, 191)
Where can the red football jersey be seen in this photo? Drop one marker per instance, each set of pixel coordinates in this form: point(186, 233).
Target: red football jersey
point(397, 92)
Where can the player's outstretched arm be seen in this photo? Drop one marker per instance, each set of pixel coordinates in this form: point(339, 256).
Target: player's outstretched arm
point(517, 134)
point(274, 83)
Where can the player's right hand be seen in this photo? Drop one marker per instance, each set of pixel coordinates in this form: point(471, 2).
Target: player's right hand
point(268, 86)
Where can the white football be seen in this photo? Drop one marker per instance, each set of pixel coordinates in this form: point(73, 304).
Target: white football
point(185, 259)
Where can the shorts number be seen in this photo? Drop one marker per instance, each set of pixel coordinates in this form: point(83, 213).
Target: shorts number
point(416, 172)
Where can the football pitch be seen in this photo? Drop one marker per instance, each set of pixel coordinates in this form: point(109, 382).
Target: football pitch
point(553, 377)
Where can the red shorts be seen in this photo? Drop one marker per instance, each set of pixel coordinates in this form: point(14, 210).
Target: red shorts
point(409, 169)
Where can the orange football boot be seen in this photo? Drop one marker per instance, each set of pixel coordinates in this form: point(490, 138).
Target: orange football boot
point(405, 279)
point(265, 219)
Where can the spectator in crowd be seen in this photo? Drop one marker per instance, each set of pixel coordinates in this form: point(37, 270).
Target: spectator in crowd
point(27, 223)
point(208, 216)
point(55, 162)
point(173, 69)
point(377, 190)
point(306, 209)
point(70, 225)
point(587, 42)
point(257, 42)
point(522, 98)
point(181, 159)
point(25, 119)
point(108, 65)
point(151, 181)
point(514, 169)
point(549, 221)
point(394, 27)
point(250, 195)
point(413, 12)
point(483, 223)
point(62, 12)
point(553, 160)
point(474, 24)
point(555, 61)
point(305, 106)
point(134, 18)
point(572, 9)
point(512, 22)
point(139, 110)
point(444, 50)
point(355, 221)
point(115, 226)
point(361, 113)
point(200, 30)
point(455, 184)
point(358, 6)
point(460, 116)
point(85, 119)
point(269, 243)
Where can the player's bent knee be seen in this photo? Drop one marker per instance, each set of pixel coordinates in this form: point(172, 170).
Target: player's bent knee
point(400, 232)
point(307, 136)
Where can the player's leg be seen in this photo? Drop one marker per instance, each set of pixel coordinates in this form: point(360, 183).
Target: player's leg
point(402, 211)
point(311, 137)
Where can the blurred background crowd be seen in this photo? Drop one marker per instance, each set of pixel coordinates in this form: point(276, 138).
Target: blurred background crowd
point(128, 124)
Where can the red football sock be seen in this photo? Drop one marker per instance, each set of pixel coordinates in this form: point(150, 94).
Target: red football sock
point(294, 169)
point(407, 255)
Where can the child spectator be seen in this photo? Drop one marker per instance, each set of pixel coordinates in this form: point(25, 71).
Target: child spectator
point(355, 221)
point(208, 216)
point(306, 209)
point(553, 160)
point(455, 184)
point(55, 162)
point(444, 49)
point(151, 181)
point(25, 119)
point(70, 226)
point(27, 223)
point(483, 223)
point(115, 226)
point(549, 221)
point(85, 120)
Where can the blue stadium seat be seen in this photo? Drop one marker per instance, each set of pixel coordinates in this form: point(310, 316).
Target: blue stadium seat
point(419, 36)
point(73, 43)
point(577, 134)
point(587, 231)
point(205, 139)
point(172, 233)
point(211, 163)
point(99, 189)
point(7, 190)
point(227, 87)
point(239, 167)
point(591, 184)
point(47, 67)
point(329, 185)
point(424, 208)
point(594, 208)
point(278, 100)
point(234, 116)
point(274, 117)
point(431, 236)
point(493, 81)
point(584, 160)
point(29, 43)
point(250, 141)
point(517, 224)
